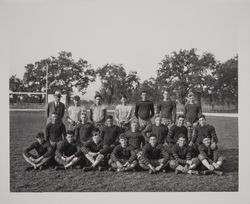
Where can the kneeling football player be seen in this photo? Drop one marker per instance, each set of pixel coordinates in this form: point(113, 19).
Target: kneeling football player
point(210, 158)
point(44, 153)
point(68, 152)
point(122, 158)
point(154, 157)
point(182, 162)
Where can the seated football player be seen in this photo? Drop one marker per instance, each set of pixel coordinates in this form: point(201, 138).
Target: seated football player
point(68, 152)
point(110, 135)
point(94, 152)
point(210, 157)
point(154, 157)
point(44, 150)
point(83, 131)
point(176, 130)
point(200, 132)
point(182, 162)
point(122, 158)
point(158, 129)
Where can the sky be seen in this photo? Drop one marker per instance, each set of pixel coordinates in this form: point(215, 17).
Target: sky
point(137, 34)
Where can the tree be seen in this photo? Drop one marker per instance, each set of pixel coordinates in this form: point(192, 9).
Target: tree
point(116, 81)
point(226, 85)
point(186, 71)
point(15, 84)
point(64, 73)
point(151, 86)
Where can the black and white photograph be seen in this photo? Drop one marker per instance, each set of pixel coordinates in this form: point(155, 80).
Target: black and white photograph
point(123, 96)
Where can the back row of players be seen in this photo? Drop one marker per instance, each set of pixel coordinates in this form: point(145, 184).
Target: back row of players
point(187, 145)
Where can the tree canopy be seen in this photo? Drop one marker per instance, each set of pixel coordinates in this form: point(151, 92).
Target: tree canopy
point(64, 73)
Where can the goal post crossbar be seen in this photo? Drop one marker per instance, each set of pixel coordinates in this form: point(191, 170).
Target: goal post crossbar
point(28, 93)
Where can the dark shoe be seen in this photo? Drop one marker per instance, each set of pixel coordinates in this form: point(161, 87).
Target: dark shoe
point(177, 171)
point(90, 168)
point(59, 168)
point(206, 172)
point(112, 169)
point(218, 173)
point(29, 168)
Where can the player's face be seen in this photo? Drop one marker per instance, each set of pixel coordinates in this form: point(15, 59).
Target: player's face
point(84, 118)
point(191, 98)
point(202, 121)
point(57, 98)
point(133, 127)
point(53, 118)
point(109, 122)
point(180, 122)
point(40, 140)
point(76, 102)
point(157, 121)
point(123, 142)
point(123, 100)
point(206, 142)
point(98, 100)
point(165, 95)
point(96, 137)
point(181, 141)
point(153, 141)
point(69, 138)
point(143, 96)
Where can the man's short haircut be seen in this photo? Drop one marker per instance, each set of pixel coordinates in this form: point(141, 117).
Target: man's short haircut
point(55, 113)
point(84, 113)
point(124, 96)
point(152, 135)
point(181, 135)
point(98, 95)
point(122, 136)
point(96, 131)
point(109, 117)
point(70, 132)
point(76, 98)
point(144, 91)
point(206, 137)
point(202, 116)
point(180, 116)
point(40, 135)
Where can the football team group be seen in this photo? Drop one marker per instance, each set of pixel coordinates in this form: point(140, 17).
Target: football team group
point(128, 140)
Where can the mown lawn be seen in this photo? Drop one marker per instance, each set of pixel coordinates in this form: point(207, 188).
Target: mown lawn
point(24, 125)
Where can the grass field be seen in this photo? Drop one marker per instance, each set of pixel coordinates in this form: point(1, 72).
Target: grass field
point(24, 125)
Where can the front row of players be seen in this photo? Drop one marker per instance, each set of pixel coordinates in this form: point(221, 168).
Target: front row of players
point(101, 149)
